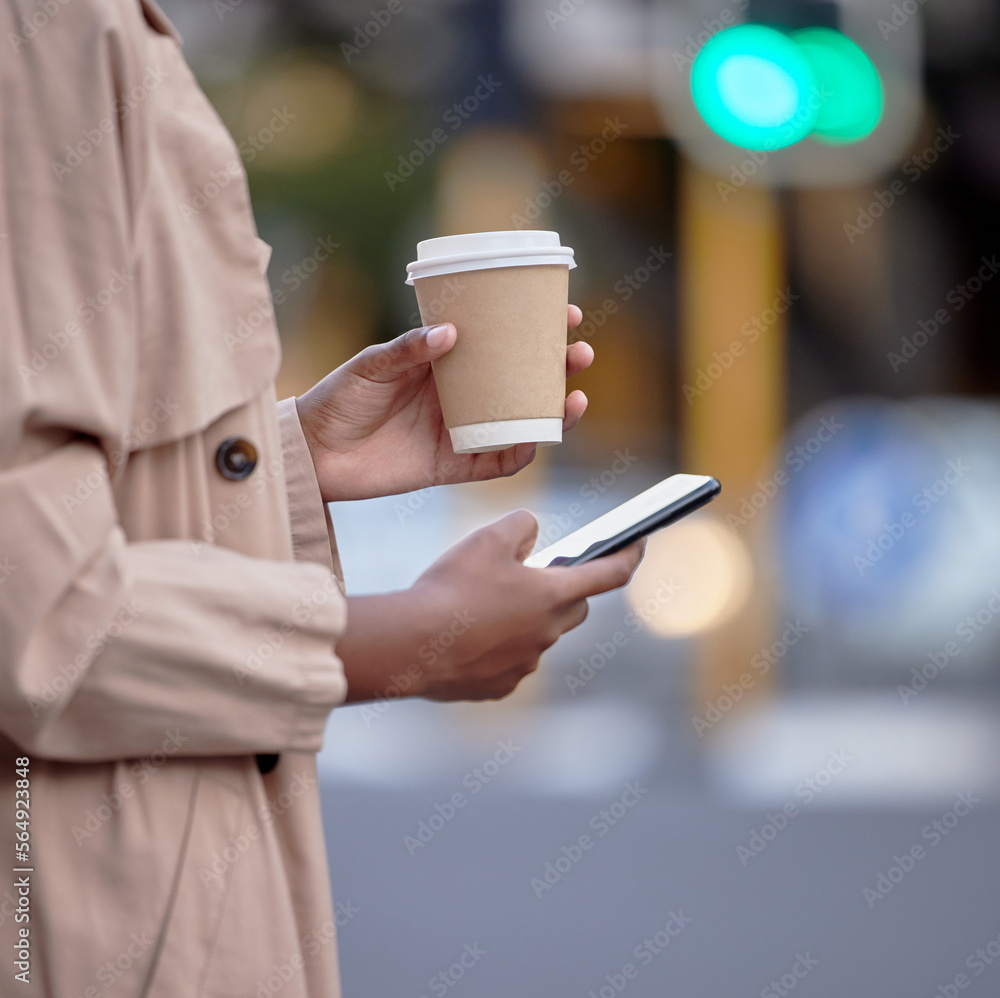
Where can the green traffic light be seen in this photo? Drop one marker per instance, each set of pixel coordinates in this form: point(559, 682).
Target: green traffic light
point(762, 89)
point(755, 87)
point(850, 87)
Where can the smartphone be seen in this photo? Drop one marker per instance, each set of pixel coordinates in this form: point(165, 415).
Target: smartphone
point(657, 507)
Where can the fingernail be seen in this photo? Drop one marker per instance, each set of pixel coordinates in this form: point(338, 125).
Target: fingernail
point(435, 335)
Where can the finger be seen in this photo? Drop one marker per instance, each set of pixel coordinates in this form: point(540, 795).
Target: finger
point(518, 458)
point(579, 356)
point(602, 574)
point(576, 406)
point(387, 361)
point(575, 316)
point(518, 532)
point(502, 463)
point(505, 683)
point(574, 615)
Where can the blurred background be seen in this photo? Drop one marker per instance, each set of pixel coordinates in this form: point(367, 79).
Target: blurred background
point(782, 741)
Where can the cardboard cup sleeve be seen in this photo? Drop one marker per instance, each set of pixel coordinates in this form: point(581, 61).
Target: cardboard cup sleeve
point(509, 363)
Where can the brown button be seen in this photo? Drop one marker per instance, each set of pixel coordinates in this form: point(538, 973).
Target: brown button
point(236, 458)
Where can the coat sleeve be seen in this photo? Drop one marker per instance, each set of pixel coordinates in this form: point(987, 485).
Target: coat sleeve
point(109, 648)
point(313, 537)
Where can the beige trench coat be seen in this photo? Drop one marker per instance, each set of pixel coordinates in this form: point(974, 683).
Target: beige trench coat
point(169, 606)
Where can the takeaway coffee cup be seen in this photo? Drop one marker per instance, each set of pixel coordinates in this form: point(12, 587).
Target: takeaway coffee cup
point(504, 381)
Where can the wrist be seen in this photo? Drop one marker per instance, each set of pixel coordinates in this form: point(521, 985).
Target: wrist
point(318, 453)
point(385, 646)
point(430, 655)
point(446, 649)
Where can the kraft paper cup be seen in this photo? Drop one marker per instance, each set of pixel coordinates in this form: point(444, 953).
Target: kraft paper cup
point(504, 381)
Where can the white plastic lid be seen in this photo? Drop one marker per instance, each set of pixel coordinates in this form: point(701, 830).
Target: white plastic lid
point(487, 250)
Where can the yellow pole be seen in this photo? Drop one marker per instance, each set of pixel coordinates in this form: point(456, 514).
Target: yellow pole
point(733, 292)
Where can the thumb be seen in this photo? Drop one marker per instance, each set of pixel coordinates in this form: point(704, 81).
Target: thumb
point(517, 532)
point(387, 361)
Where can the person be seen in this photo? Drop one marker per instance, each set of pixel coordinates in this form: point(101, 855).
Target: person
point(173, 625)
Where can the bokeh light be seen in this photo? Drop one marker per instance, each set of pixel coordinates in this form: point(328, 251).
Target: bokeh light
point(695, 576)
point(315, 106)
point(752, 85)
point(850, 87)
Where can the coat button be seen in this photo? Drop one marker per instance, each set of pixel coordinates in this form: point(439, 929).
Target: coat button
point(265, 763)
point(236, 458)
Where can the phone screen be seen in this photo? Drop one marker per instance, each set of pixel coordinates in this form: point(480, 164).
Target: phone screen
point(664, 503)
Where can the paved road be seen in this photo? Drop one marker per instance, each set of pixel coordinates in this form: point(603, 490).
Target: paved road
point(670, 852)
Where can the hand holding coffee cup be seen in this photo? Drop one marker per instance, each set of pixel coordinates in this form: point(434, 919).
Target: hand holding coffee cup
point(504, 381)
